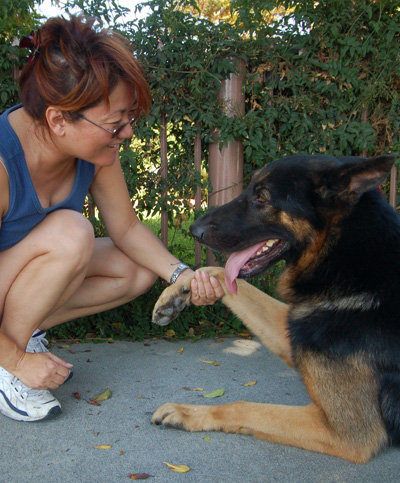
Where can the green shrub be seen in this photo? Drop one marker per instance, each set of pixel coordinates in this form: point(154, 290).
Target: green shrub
point(322, 77)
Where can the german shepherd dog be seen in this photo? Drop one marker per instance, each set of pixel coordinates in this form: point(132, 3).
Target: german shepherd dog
point(340, 327)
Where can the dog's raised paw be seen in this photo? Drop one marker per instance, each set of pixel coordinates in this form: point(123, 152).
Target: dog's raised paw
point(166, 312)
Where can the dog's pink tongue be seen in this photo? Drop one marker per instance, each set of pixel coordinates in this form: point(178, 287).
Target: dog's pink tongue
point(235, 262)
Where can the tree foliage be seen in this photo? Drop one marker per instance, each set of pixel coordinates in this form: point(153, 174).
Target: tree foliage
point(17, 18)
point(313, 85)
point(322, 77)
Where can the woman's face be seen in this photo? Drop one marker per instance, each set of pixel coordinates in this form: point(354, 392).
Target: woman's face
point(93, 142)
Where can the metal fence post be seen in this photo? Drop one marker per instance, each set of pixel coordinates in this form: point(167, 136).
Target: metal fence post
point(393, 187)
point(197, 198)
point(164, 172)
point(226, 165)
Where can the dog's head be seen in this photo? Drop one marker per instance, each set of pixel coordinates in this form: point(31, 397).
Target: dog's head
point(288, 205)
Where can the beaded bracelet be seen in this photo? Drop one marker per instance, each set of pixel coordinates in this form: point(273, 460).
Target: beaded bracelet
point(181, 268)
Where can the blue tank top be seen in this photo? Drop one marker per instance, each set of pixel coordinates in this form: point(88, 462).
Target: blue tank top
point(25, 210)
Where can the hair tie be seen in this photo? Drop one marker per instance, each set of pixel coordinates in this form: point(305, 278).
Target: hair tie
point(33, 44)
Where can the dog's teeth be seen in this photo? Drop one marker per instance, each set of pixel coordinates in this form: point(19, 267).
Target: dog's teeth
point(266, 247)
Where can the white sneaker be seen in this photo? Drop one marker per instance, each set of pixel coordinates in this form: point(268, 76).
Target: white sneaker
point(22, 403)
point(38, 343)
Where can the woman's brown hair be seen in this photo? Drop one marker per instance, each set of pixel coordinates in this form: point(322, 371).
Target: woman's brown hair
point(77, 67)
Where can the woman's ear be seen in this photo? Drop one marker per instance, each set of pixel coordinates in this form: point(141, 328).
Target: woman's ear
point(55, 121)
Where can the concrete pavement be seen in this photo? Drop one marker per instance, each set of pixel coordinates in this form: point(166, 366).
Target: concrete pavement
point(142, 376)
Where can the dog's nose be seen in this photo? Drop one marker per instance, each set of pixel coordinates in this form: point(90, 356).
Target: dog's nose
point(197, 230)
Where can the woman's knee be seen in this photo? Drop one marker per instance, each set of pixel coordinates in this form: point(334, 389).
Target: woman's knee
point(129, 278)
point(70, 235)
point(145, 281)
point(137, 280)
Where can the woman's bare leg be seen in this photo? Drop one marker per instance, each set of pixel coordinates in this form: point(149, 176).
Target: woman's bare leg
point(60, 272)
point(42, 271)
point(112, 279)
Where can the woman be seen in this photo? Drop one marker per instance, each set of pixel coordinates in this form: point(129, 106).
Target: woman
point(81, 92)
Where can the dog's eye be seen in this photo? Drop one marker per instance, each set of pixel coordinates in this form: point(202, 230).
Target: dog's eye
point(261, 199)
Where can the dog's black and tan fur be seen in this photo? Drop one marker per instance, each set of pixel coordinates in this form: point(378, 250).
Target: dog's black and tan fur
point(340, 328)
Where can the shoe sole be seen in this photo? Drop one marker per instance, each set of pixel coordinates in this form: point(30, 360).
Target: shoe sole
point(69, 377)
point(53, 413)
point(17, 416)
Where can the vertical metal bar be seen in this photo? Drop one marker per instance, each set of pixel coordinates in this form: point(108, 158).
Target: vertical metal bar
point(15, 69)
point(164, 172)
point(364, 119)
point(393, 187)
point(197, 198)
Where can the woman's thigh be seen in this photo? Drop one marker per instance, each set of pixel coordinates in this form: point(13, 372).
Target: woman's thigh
point(112, 279)
point(64, 232)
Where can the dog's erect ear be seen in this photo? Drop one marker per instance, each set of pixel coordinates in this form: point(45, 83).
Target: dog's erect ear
point(353, 178)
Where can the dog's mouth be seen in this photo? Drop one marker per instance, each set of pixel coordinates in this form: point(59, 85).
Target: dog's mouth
point(252, 261)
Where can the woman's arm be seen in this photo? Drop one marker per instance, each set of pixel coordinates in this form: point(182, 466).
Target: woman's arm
point(131, 236)
point(137, 241)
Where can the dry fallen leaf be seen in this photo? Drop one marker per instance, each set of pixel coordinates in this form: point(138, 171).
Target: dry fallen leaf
point(195, 389)
point(102, 446)
point(177, 468)
point(93, 403)
point(180, 350)
point(103, 396)
point(251, 383)
point(77, 395)
point(216, 393)
point(139, 476)
point(170, 333)
point(214, 363)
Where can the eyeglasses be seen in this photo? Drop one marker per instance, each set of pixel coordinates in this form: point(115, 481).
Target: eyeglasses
point(116, 132)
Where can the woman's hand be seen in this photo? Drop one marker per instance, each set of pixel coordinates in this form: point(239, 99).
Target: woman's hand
point(42, 370)
point(205, 290)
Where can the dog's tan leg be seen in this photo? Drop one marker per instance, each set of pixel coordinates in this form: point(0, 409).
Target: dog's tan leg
point(303, 427)
point(262, 314)
point(265, 316)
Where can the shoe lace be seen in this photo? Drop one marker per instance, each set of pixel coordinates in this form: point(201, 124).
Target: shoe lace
point(38, 342)
point(22, 390)
point(20, 387)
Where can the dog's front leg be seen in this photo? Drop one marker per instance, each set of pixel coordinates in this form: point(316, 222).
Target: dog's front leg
point(303, 427)
point(265, 316)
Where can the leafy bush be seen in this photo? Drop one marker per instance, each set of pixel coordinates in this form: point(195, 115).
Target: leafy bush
point(322, 77)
